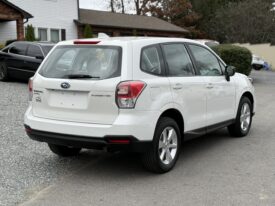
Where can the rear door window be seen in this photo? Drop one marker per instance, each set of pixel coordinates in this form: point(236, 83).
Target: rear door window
point(178, 60)
point(98, 62)
point(34, 51)
point(19, 48)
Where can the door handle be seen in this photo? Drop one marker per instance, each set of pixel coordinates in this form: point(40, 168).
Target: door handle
point(209, 86)
point(177, 86)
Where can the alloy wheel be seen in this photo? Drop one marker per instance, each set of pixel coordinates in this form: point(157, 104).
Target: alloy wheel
point(245, 117)
point(168, 145)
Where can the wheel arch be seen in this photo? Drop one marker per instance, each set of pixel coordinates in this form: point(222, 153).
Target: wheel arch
point(176, 115)
point(250, 97)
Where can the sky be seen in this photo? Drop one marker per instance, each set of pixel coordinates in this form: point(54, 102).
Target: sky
point(94, 4)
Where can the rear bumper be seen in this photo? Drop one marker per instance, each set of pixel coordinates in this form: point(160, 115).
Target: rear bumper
point(110, 143)
point(140, 124)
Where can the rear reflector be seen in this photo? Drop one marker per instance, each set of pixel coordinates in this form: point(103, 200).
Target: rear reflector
point(28, 129)
point(86, 42)
point(30, 86)
point(119, 141)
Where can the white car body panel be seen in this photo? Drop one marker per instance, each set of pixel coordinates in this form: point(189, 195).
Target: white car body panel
point(97, 114)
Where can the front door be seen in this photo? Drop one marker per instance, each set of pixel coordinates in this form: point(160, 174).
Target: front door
point(220, 92)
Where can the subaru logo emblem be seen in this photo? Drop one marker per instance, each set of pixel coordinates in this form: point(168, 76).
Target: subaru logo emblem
point(65, 85)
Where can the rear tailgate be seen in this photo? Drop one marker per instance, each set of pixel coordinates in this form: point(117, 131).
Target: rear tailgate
point(87, 101)
point(77, 83)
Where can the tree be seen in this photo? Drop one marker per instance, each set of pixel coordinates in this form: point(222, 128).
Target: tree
point(30, 36)
point(243, 21)
point(116, 5)
point(178, 12)
point(88, 33)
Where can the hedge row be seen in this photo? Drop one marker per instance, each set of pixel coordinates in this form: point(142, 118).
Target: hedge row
point(236, 56)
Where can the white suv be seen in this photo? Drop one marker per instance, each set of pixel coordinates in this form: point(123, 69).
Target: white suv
point(135, 93)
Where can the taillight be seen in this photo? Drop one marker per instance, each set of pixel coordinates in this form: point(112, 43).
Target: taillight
point(128, 92)
point(30, 85)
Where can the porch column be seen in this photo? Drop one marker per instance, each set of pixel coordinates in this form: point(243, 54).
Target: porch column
point(20, 29)
point(80, 31)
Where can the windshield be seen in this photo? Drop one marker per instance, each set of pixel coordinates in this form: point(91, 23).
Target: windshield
point(82, 61)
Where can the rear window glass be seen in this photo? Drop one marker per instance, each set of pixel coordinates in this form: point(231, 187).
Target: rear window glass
point(98, 62)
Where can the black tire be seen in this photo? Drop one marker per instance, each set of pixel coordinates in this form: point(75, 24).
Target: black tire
point(151, 159)
point(3, 72)
point(235, 130)
point(64, 151)
point(257, 67)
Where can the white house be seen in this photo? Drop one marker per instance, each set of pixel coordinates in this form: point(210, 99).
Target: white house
point(53, 20)
point(56, 20)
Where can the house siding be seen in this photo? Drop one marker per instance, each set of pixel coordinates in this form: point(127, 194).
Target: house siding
point(49, 14)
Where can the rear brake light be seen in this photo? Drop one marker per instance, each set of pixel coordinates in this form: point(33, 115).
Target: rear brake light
point(86, 42)
point(128, 92)
point(30, 86)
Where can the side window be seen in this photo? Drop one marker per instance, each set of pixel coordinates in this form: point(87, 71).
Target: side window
point(6, 50)
point(178, 60)
point(34, 51)
point(19, 48)
point(151, 60)
point(207, 63)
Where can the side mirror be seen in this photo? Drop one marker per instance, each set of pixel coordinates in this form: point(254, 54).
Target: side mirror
point(229, 72)
point(39, 57)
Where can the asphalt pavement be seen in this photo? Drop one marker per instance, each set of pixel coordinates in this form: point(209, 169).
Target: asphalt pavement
point(212, 170)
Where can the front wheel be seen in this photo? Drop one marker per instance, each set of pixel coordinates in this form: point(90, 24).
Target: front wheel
point(243, 120)
point(3, 72)
point(64, 151)
point(166, 147)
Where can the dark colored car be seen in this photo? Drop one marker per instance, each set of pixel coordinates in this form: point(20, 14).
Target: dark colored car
point(20, 60)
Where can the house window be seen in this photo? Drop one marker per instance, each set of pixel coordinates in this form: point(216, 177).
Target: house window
point(42, 34)
point(55, 35)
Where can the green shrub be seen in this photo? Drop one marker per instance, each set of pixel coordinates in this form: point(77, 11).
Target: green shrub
point(30, 33)
point(88, 33)
point(2, 46)
point(236, 56)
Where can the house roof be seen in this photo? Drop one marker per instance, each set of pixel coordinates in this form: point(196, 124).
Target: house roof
point(117, 20)
point(23, 12)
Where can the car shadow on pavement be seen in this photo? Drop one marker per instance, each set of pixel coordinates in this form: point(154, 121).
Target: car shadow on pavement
point(123, 165)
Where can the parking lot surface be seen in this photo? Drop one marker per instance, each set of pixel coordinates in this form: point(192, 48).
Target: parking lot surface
point(212, 170)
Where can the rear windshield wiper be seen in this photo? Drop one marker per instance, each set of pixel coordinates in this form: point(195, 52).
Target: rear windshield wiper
point(81, 76)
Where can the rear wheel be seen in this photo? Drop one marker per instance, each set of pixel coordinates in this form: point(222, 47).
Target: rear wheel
point(243, 120)
point(166, 147)
point(257, 67)
point(64, 151)
point(3, 72)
